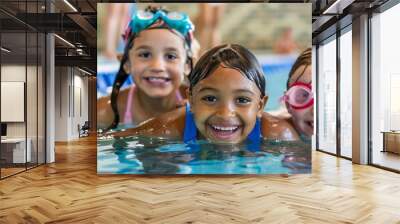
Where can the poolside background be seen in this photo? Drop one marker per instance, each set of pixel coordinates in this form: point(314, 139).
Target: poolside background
point(257, 26)
point(275, 67)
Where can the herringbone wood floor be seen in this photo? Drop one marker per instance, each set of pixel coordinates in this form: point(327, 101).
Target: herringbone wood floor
point(70, 191)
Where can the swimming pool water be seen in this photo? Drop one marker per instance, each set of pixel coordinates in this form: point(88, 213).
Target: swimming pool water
point(149, 155)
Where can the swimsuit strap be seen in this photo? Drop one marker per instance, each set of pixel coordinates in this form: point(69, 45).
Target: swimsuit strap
point(254, 138)
point(128, 111)
point(255, 134)
point(178, 96)
point(128, 120)
point(190, 131)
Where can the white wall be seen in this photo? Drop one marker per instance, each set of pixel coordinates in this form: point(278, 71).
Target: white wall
point(80, 110)
point(71, 94)
point(61, 103)
point(33, 126)
point(12, 73)
point(13, 101)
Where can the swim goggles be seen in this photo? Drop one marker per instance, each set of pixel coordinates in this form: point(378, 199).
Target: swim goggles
point(174, 20)
point(299, 95)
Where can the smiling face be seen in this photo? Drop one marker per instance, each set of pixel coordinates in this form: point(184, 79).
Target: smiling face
point(157, 62)
point(225, 106)
point(303, 119)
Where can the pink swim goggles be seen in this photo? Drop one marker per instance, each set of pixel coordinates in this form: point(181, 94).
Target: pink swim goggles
point(299, 95)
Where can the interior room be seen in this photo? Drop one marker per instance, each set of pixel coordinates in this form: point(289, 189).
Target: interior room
point(50, 85)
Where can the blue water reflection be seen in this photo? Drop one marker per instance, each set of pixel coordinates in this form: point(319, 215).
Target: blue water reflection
point(149, 155)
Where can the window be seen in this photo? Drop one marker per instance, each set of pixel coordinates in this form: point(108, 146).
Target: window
point(385, 88)
point(346, 93)
point(327, 96)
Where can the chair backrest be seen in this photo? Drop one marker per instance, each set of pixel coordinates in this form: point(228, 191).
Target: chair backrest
point(86, 125)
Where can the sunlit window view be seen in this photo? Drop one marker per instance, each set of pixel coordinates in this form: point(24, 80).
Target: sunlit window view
point(327, 96)
point(346, 93)
point(385, 84)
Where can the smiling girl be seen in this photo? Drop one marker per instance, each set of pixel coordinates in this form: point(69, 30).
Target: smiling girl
point(299, 98)
point(157, 55)
point(227, 99)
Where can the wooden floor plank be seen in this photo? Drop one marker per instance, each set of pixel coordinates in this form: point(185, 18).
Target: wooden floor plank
point(70, 191)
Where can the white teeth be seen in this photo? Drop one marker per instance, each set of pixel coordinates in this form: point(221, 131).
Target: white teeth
point(157, 78)
point(225, 128)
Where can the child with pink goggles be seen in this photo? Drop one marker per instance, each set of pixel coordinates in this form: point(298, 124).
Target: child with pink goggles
point(299, 95)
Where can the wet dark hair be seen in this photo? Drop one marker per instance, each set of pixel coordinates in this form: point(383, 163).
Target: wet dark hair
point(232, 56)
point(303, 59)
point(122, 76)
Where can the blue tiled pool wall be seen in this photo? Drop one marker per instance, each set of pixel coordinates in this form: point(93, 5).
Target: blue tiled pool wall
point(276, 70)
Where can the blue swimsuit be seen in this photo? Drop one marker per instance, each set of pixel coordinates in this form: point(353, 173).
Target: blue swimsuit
point(190, 131)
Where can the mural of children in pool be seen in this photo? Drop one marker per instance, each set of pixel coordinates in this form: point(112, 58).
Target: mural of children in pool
point(157, 55)
point(223, 126)
point(226, 103)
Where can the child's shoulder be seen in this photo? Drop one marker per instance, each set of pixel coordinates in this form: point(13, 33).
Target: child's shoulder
point(277, 128)
point(169, 125)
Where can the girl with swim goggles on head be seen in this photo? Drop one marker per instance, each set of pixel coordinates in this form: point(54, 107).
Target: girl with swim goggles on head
point(227, 98)
point(157, 55)
point(299, 98)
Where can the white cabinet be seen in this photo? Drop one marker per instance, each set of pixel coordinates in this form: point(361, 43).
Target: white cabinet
point(18, 149)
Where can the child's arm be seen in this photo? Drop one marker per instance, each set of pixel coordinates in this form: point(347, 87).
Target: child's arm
point(276, 128)
point(169, 125)
point(104, 112)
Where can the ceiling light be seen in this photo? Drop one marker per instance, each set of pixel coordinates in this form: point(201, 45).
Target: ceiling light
point(337, 7)
point(70, 5)
point(65, 41)
point(86, 72)
point(5, 49)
